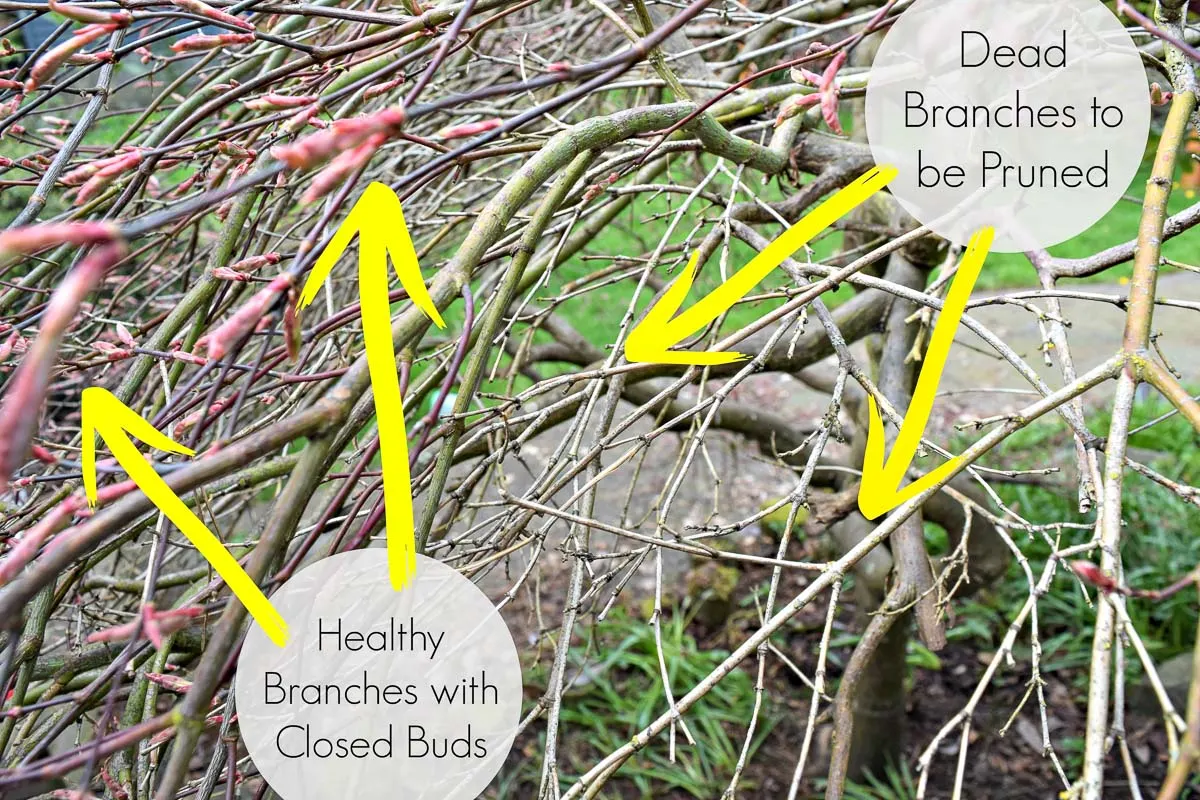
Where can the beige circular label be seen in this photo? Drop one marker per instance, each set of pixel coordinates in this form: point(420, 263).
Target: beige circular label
point(378, 693)
point(1027, 115)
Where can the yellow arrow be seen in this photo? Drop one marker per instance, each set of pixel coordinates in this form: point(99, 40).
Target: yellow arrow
point(114, 421)
point(880, 491)
point(650, 341)
point(379, 223)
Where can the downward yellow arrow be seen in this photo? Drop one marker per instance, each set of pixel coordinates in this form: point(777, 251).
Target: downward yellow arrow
point(660, 330)
point(880, 491)
point(114, 421)
point(651, 341)
point(379, 223)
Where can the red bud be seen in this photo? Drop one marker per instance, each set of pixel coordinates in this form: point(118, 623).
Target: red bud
point(1091, 573)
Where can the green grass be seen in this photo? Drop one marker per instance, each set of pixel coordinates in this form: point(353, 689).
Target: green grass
point(1005, 270)
point(617, 690)
point(1159, 546)
point(597, 313)
point(1159, 543)
point(897, 783)
point(636, 232)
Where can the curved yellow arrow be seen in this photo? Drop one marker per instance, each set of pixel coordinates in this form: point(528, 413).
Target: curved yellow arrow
point(114, 421)
point(652, 339)
point(880, 491)
point(379, 223)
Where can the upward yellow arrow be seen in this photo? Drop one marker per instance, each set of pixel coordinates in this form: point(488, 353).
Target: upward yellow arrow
point(113, 421)
point(379, 224)
point(652, 339)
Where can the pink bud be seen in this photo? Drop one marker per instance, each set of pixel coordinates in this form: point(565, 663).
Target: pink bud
point(155, 625)
point(342, 167)
point(794, 105)
point(106, 174)
point(469, 128)
point(1159, 97)
point(105, 167)
point(234, 150)
point(160, 624)
point(292, 336)
point(300, 119)
point(184, 185)
point(91, 15)
point(205, 10)
point(33, 238)
point(159, 739)
point(111, 351)
point(309, 151)
point(596, 189)
point(256, 262)
point(125, 337)
point(227, 274)
point(169, 682)
point(117, 633)
point(342, 135)
point(49, 63)
point(802, 75)
point(24, 549)
point(190, 421)
point(188, 358)
point(83, 59)
point(206, 42)
point(25, 391)
point(379, 89)
point(91, 188)
point(79, 175)
point(275, 101)
point(9, 345)
point(244, 320)
point(1091, 573)
point(104, 495)
point(43, 455)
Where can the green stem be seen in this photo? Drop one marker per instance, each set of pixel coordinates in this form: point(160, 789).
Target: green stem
point(503, 296)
